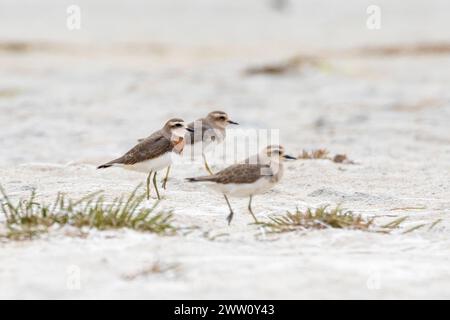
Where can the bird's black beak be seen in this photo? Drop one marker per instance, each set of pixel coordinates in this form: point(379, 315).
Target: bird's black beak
point(232, 122)
point(190, 130)
point(289, 157)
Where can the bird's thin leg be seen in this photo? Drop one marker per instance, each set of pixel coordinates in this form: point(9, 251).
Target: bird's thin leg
point(230, 216)
point(148, 184)
point(206, 164)
point(156, 185)
point(251, 211)
point(166, 178)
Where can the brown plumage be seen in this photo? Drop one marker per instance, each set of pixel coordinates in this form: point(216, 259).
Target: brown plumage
point(209, 130)
point(214, 124)
point(159, 143)
point(256, 175)
point(155, 152)
point(238, 173)
point(147, 149)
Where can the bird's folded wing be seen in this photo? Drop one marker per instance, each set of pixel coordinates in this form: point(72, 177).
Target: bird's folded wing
point(149, 148)
point(242, 173)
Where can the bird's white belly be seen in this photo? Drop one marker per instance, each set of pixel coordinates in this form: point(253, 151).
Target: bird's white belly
point(155, 164)
point(241, 190)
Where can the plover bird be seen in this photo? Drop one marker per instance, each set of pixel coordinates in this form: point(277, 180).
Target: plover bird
point(155, 152)
point(209, 130)
point(256, 175)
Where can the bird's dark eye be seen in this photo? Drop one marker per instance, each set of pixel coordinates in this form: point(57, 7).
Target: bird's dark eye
point(178, 125)
point(222, 118)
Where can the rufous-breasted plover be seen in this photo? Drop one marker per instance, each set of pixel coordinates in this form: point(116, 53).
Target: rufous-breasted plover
point(155, 152)
point(207, 131)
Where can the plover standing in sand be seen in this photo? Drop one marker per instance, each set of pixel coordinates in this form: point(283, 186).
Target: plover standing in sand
point(155, 152)
point(209, 130)
point(256, 175)
point(213, 131)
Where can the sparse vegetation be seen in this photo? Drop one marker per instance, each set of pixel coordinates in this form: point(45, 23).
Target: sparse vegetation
point(314, 154)
point(413, 49)
point(290, 65)
point(324, 154)
point(420, 226)
point(324, 217)
point(15, 46)
point(434, 224)
point(320, 218)
point(29, 218)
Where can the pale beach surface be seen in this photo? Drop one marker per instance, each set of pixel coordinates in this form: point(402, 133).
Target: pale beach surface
point(71, 100)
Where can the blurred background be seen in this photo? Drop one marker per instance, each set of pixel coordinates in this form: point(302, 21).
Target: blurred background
point(262, 25)
point(85, 89)
point(82, 80)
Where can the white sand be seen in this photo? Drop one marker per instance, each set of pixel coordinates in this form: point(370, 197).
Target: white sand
point(89, 97)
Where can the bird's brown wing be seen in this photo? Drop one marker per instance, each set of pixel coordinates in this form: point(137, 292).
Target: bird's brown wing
point(149, 148)
point(154, 134)
point(241, 173)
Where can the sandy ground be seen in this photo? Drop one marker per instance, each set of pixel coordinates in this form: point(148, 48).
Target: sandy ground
point(71, 101)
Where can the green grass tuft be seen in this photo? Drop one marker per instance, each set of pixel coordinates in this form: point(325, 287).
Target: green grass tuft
point(320, 218)
point(28, 219)
point(323, 218)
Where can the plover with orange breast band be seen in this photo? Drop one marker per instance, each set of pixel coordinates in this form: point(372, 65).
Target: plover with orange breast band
point(256, 175)
point(155, 152)
point(207, 131)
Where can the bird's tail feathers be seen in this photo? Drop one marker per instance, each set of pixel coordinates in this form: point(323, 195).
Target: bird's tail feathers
point(199, 179)
point(109, 164)
point(104, 166)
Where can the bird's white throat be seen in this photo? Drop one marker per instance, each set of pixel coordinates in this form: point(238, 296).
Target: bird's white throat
point(179, 132)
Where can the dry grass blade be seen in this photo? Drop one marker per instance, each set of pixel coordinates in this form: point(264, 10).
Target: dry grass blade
point(414, 228)
point(434, 224)
point(290, 65)
point(153, 269)
point(408, 208)
point(28, 218)
point(413, 49)
point(394, 224)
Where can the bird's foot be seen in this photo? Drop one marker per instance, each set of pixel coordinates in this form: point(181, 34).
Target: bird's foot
point(230, 217)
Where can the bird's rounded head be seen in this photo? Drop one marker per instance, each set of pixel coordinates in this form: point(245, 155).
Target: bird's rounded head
point(176, 128)
point(276, 152)
point(219, 119)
